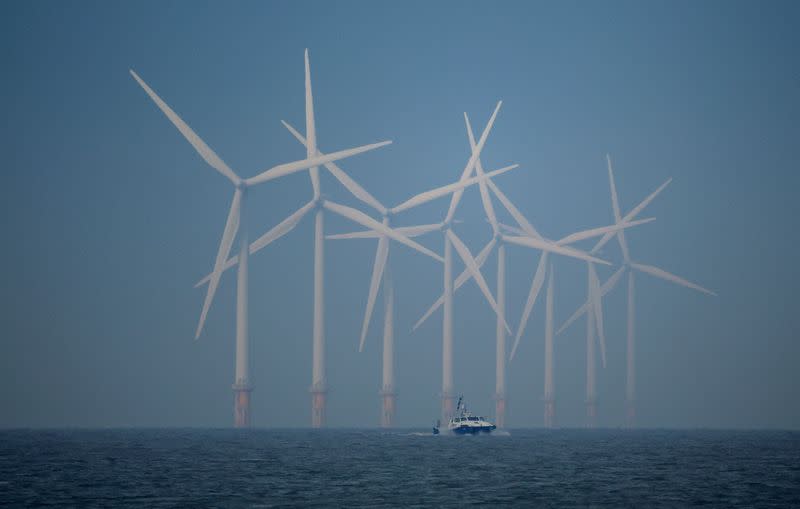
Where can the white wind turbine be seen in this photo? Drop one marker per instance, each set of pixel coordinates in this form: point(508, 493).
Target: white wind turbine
point(594, 315)
point(235, 223)
point(319, 205)
point(596, 293)
point(380, 268)
point(498, 240)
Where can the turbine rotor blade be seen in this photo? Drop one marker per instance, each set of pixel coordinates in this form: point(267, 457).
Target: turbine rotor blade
point(476, 153)
point(272, 235)
point(295, 166)
point(199, 145)
point(472, 266)
point(515, 213)
point(377, 275)
point(485, 198)
point(349, 184)
point(617, 216)
point(632, 214)
point(460, 280)
point(311, 131)
point(228, 236)
point(513, 230)
point(552, 247)
point(596, 232)
point(605, 289)
point(655, 271)
point(366, 221)
point(408, 231)
point(449, 188)
point(536, 286)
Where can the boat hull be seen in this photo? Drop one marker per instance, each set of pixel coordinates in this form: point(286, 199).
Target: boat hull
point(472, 430)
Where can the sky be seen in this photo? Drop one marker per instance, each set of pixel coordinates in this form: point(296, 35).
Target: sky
point(110, 216)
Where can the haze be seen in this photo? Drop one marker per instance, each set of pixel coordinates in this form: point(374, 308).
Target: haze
point(111, 217)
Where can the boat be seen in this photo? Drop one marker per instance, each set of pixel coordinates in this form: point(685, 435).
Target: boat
point(464, 423)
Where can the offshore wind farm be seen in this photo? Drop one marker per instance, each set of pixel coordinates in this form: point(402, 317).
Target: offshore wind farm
point(399, 254)
point(384, 229)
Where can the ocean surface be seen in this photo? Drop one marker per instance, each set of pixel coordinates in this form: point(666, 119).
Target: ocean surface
point(405, 468)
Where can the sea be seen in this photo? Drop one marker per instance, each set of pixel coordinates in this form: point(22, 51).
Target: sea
point(399, 468)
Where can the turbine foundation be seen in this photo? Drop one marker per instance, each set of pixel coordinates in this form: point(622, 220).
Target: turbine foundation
point(500, 410)
point(318, 405)
point(630, 413)
point(591, 413)
point(448, 407)
point(389, 398)
point(241, 405)
point(549, 413)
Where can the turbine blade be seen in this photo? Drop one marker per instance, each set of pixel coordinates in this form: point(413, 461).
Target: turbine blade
point(607, 287)
point(614, 199)
point(460, 280)
point(295, 166)
point(552, 247)
point(408, 231)
point(476, 153)
point(349, 184)
point(199, 145)
point(366, 221)
point(611, 283)
point(536, 286)
point(366, 234)
point(416, 231)
point(472, 266)
point(449, 188)
point(377, 275)
point(632, 214)
point(513, 230)
point(596, 232)
point(228, 235)
point(311, 131)
point(515, 213)
point(272, 235)
point(597, 307)
point(655, 271)
point(623, 245)
point(485, 198)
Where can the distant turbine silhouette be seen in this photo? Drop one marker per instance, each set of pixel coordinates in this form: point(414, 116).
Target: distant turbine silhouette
point(597, 292)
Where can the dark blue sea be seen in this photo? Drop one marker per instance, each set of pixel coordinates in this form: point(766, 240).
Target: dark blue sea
point(370, 468)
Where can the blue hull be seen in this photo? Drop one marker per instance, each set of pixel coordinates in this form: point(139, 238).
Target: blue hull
point(472, 430)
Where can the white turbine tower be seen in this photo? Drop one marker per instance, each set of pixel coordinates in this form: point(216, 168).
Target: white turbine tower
point(236, 222)
point(499, 241)
point(380, 266)
point(319, 205)
point(596, 293)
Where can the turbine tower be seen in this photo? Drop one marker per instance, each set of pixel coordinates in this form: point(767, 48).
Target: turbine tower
point(236, 222)
point(630, 267)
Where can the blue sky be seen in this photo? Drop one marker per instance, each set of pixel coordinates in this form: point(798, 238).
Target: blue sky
point(110, 216)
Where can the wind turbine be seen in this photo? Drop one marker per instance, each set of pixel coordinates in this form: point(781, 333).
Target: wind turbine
point(595, 295)
point(319, 205)
point(380, 268)
point(499, 240)
point(236, 223)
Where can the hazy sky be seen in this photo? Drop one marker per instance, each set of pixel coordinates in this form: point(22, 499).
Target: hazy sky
point(110, 217)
